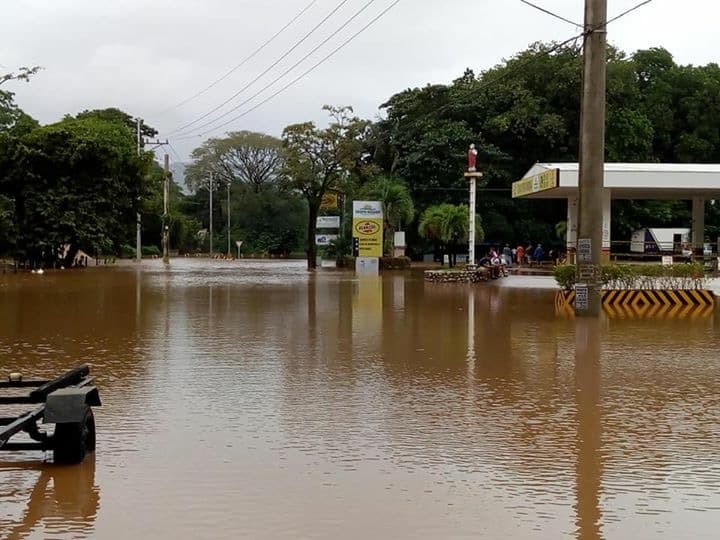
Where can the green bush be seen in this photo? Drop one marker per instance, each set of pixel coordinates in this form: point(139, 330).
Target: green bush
point(127, 251)
point(565, 276)
point(150, 251)
point(645, 276)
point(348, 261)
point(395, 263)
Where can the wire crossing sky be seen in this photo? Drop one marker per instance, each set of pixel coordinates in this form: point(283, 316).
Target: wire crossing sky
point(148, 57)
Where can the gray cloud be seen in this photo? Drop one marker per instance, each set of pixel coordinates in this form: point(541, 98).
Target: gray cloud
point(146, 56)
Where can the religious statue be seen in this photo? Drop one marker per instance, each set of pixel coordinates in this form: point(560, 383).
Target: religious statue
point(472, 158)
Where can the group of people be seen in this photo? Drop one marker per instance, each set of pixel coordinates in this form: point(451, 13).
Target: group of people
point(521, 256)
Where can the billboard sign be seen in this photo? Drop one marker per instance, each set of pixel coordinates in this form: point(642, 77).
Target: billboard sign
point(368, 227)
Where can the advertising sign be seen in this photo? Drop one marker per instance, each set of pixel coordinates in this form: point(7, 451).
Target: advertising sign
point(368, 227)
point(324, 239)
point(330, 201)
point(328, 222)
point(535, 184)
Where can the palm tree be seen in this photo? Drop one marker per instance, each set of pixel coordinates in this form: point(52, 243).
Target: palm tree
point(398, 207)
point(448, 226)
point(455, 227)
point(430, 227)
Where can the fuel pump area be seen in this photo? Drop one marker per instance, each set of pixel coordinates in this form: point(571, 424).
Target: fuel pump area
point(639, 181)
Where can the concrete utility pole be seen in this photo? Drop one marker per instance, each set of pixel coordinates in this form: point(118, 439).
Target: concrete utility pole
point(229, 252)
point(165, 219)
point(472, 175)
point(592, 160)
point(138, 235)
point(211, 214)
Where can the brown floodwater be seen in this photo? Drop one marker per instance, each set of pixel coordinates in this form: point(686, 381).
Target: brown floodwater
point(254, 400)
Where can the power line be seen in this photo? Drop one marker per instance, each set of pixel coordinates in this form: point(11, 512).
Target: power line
point(244, 61)
point(282, 57)
point(552, 14)
point(551, 50)
point(303, 75)
point(626, 12)
point(172, 149)
point(290, 69)
point(484, 85)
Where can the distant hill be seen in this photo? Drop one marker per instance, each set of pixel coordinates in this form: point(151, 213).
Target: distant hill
point(178, 172)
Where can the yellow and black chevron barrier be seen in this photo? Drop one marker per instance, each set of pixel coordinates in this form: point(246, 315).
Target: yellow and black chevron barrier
point(666, 304)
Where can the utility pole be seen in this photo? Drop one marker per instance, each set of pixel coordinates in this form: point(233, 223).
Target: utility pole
point(211, 214)
point(165, 219)
point(138, 235)
point(592, 160)
point(229, 253)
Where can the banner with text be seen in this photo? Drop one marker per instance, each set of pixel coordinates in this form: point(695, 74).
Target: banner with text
point(368, 227)
point(328, 222)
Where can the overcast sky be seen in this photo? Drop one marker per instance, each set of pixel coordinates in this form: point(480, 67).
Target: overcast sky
point(146, 56)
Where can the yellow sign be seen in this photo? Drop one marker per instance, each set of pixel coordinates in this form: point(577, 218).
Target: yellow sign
point(330, 201)
point(369, 232)
point(534, 184)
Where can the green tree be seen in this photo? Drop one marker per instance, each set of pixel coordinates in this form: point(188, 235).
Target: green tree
point(255, 159)
point(447, 225)
point(320, 160)
point(79, 183)
point(398, 208)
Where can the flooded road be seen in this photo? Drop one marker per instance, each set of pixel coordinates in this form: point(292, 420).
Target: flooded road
point(253, 400)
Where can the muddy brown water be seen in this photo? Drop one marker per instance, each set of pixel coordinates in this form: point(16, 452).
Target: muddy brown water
point(253, 400)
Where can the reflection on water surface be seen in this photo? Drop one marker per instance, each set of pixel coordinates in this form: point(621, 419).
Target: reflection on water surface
point(255, 399)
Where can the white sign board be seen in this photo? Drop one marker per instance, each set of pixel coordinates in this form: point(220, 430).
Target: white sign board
point(667, 260)
point(584, 250)
point(581, 297)
point(324, 239)
point(328, 222)
point(400, 239)
point(367, 266)
point(367, 209)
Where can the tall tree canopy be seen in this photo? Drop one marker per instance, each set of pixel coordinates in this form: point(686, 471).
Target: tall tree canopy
point(244, 157)
point(320, 160)
point(527, 110)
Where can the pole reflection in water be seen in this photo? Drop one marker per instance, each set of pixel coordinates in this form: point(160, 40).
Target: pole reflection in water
point(63, 501)
point(288, 404)
point(588, 466)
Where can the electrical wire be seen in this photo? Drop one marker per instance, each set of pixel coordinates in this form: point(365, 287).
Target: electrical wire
point(548, 12)
point(175, 153)
point(484, 85)
point(551, 50)
point(256, 79)
point(304, 74)
point(627, 12)
point(287, 71)
point(243, 62)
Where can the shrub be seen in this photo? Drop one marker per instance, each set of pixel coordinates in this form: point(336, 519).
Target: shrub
point(127, 251)
point(565, 276)
point(151, 251)
point(646, 276)
point(395, 263)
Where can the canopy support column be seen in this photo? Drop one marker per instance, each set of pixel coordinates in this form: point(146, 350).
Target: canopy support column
point(571, 233)
point(606, 222)
point(698, 227)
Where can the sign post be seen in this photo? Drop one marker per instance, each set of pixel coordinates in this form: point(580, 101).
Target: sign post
point(368, 230)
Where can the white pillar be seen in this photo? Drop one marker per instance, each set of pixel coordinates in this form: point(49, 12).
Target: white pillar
point(698, 225)
point(607, 220)
point(571, 234)
point(471, 258)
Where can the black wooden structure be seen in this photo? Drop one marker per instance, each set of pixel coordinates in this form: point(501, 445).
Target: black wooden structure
point(66, 402)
